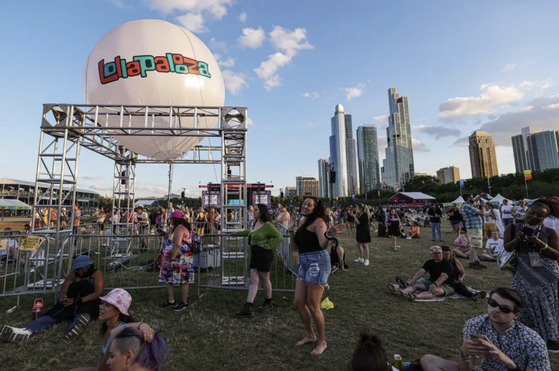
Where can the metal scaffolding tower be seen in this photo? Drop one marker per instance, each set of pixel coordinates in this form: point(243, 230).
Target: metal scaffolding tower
point(66, 128)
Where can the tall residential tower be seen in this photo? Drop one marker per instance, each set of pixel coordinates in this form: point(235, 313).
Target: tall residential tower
point(398, 166)
point(342, 154)
point(482, 155)
point(535, 150)
point(367, 155)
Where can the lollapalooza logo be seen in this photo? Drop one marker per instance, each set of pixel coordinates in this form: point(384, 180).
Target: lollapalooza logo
point(141, 64)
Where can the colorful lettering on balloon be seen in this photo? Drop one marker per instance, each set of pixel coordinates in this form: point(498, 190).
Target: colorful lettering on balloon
point(140, 65)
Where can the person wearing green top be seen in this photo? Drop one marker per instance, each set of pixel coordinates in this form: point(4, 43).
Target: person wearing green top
point(263, 238)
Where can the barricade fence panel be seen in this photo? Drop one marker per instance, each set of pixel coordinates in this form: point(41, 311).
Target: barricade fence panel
point(36, 264)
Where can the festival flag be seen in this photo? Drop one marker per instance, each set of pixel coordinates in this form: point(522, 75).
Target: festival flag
point(378, 193)
point(461, 183)
point(527, 174)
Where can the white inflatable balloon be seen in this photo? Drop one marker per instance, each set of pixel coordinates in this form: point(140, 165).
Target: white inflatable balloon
point(153, 62)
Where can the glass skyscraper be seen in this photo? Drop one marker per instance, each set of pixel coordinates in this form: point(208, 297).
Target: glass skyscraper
point(398, 166)
point(342, 154)
point(536, 151)
point(367, 155)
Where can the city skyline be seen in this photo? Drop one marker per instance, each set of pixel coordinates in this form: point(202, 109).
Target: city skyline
point(275, 61)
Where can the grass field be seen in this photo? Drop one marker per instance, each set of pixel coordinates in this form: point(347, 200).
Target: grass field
point(207, 337)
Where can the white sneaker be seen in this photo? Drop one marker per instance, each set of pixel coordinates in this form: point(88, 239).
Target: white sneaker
point(359, 260)
point(409, 238)
point(366, 262)
point(397, 247)
point(14, 334)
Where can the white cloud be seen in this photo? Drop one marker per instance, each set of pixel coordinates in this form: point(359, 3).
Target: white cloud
point(252, 37)
point(243, 17)
point(151, 190)
point(193, 13)
point(250, 122)
point(312, 95)
point(353, 92)
point(227, 63)
point(437, 131)
point(419, 146)
point(542, 112)
point(382, 120)
point(288, 43)
point(193, 22)
point(492, 96)
point(234, 81)
point(509, 67)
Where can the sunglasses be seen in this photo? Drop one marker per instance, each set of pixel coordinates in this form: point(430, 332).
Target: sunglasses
point(503, 308)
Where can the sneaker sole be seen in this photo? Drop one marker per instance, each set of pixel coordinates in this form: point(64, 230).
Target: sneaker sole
point(180, 309)
point(78, 328)
point(8, 335)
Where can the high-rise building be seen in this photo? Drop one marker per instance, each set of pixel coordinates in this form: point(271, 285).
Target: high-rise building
point(290, 191)
point(307, 186)
point(323, 178)
point(483, 159)
point(367, 158)
point(398, 166)
point(342, 154)
point(535, 150)
point(449, 174)
point(545, 146)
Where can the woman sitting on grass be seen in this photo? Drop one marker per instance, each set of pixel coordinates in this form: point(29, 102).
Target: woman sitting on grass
point(414, 232)
point(129, 351)
point(115, 316)
point(78, 303)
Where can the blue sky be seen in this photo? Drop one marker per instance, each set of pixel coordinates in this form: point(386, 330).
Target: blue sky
point(489, 65)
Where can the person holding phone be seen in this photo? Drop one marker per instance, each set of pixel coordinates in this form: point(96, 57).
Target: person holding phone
point(497, 338)
point(537, 273)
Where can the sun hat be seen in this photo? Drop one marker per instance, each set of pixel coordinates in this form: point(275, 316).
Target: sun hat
point(177, 214)
point(81, 262)
point(120, 298)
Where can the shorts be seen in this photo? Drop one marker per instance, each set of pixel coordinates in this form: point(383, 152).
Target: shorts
point(456, 222)
point(260, 258)
point(489, 227)
point(315, 267)
point(447, 289)
point(475, 237)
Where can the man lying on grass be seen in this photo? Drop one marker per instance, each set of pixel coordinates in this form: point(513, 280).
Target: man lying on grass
point(438, 283)
point(502, 342)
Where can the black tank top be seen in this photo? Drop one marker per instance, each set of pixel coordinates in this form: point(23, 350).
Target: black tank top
point(306, 241)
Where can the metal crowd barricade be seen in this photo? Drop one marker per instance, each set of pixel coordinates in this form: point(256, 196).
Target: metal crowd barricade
point(130, 261)
point(223, 263)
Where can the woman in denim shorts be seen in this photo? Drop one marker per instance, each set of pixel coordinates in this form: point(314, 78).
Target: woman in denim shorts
point(314, 269)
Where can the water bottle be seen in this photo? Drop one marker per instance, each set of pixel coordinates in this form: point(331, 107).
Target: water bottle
point(398, 363)
point(37, 309)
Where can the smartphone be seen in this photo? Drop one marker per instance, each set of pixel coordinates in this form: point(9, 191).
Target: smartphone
point(527, 231)
point(475, 337)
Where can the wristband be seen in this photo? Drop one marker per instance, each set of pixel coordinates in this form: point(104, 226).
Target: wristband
point(140, 325)
point(545, 247)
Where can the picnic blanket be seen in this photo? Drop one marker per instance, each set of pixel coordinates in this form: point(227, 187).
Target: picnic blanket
point(454, 296)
